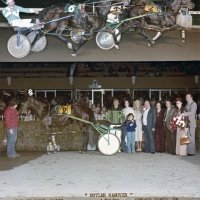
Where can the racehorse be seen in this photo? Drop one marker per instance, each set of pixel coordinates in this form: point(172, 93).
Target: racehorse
point(119, 21)
point(160, 21)
point(81, 20)
point(89, 18)
point(50, 118)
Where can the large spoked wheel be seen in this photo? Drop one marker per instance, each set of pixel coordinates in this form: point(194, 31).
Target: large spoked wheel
point(108, 144)
point(19, 47)
point(40, 44)
point(105, 40)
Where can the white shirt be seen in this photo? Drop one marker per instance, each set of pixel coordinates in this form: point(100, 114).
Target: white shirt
point(127, 110)
point(145, 116)
point(98, 116)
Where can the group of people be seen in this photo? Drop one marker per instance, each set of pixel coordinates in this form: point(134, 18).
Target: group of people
point(160, 128)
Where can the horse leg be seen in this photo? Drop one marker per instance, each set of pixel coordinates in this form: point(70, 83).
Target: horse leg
point(62, 38)
point(116, 37)
point(157, 36)
point(147, 38)
point(37, 37)
point(183, 35)
point(77, 47)
point(85, 139)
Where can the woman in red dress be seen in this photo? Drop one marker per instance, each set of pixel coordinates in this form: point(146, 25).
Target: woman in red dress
point(159, 130)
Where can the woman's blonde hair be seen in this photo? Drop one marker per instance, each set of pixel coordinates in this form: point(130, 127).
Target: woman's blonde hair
point(137, 101)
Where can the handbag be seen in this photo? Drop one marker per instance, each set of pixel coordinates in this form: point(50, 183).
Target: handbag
point(184, 140)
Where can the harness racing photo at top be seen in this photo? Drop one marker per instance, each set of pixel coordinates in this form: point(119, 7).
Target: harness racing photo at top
point(103, 24)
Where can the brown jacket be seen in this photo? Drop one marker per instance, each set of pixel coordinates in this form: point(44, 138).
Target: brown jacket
point(168, 116)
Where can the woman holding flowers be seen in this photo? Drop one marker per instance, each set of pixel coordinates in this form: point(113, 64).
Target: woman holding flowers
point(180, 123)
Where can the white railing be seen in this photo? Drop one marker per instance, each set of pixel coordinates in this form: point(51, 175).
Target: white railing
point(195, 13)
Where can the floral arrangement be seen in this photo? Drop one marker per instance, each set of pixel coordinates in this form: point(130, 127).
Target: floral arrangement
point(178, 122)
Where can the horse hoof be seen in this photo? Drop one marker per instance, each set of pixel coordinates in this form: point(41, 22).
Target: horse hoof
point(73, 54)
point(183, 41)
point(69, 45)
point(153, 42)
point(116, 46)
point(82, 152)
point(149, 45)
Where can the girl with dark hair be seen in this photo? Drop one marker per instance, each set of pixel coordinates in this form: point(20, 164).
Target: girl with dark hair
point(130, 126)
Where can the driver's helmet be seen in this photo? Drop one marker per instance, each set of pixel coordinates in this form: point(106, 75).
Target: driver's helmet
point(10, 1)
point(126, 2)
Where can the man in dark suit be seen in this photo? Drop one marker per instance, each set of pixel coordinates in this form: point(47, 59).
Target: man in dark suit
point(148, 126)
point(169, 132)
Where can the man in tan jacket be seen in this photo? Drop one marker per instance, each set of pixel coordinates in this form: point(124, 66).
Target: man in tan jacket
point(191, 109)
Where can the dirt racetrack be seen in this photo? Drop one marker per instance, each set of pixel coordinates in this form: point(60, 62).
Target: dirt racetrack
point(132, 48)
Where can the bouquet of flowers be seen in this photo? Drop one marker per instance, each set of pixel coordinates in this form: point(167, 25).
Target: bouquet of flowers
point(178, 122)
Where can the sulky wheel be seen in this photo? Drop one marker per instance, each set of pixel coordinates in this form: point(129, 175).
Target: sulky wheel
point(40, 44)
point(76, 36)
point(105, 40)
point(108, 144)
point(19, 46)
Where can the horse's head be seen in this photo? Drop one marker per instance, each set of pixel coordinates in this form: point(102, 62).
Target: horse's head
point(177, 4)
point(103, 8)
point(39, 108)
point(82, 10)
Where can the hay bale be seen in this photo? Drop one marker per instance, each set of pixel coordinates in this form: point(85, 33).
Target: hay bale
point(32, 137)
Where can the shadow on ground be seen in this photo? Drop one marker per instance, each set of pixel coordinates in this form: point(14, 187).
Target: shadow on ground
point(8, 163)
point(192, 159)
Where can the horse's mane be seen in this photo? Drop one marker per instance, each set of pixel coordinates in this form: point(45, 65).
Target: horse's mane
point(51, 9)
point(39, 107)
point(83, 111)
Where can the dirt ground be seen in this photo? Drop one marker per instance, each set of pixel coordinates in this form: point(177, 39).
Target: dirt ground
point(71, 175)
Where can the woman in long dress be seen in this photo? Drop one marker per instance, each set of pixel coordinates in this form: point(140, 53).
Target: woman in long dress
point(181, 150)
point(159, 130)
point(137, 107)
